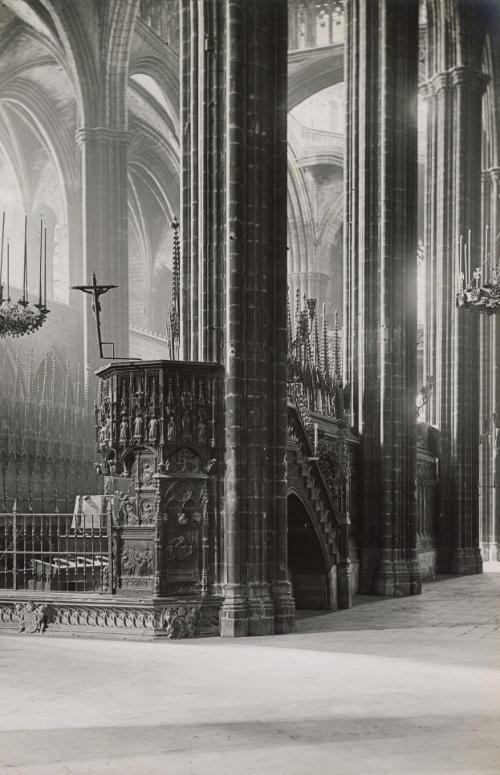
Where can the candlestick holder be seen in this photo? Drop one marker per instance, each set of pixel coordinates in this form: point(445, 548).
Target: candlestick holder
point(477, 296)
point(478, 289)
point(18, 318)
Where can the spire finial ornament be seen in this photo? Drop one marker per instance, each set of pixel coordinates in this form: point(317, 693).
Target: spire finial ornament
point(173, 325)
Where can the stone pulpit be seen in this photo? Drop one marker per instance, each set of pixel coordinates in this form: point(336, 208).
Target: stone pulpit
point(158, 427)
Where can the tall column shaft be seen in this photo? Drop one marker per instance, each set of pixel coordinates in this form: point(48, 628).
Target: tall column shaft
point(453, 208)
point(105, 237)
point(202, 197)
point(234, 71)
point(494, 360)
point(489, 412)
point(380, 281)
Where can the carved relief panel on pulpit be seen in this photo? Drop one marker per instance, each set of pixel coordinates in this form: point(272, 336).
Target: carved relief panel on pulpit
point(184, 516)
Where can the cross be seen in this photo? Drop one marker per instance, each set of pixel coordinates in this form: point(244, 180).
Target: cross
point(95, 291)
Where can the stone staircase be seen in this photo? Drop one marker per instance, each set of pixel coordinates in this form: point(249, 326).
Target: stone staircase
point(332, 530)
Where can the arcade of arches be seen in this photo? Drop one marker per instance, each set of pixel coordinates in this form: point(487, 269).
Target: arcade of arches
point(309, 415)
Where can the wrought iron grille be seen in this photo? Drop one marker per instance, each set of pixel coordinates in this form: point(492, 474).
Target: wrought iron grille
point(56, 552)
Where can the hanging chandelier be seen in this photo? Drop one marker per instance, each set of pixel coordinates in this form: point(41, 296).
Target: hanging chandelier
point(18, 318)
point(478, 288)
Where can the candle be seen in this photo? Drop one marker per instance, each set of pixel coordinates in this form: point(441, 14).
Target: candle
point(8, 272)
point(461, 260)
point(469, 253)
point(45, 266)
point(467, 268)
point(25, 274)
point(315, 439)
point(1, 256)
point(40, 268)
point(486, 252)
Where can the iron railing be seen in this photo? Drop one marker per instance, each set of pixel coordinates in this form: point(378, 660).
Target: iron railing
point(55, 552)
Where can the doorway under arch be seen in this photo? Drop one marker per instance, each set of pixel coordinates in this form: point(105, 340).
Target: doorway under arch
point(306, 561)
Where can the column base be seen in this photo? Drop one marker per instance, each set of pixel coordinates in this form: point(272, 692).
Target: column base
point(398, 579)
point(490, 551)
point(465, 562)
point(344, 585)
point(234, 613)
point(415, 577)
point(260, 610)
point(367, 569)
point(383, 582)
point(284, 608)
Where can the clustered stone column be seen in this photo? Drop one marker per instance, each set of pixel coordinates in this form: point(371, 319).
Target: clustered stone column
point(105, 234)
point(234, 280)
point(489, 410)
point(380, 281)
point(453, 90)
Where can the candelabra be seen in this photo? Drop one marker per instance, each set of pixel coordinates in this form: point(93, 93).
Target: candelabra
point(478, 288)
point(18, 318)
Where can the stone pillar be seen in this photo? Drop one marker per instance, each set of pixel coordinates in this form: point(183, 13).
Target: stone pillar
point(380, 281)
point(490, 386)
point(202, 178)
point(233, 281)
point(452, 208)
point(105, 235)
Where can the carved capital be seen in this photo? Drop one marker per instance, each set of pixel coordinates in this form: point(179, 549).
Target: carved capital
point(493, 173)
point(459, 75)
point(436, 84)
point(467, 76)
point(100, 134)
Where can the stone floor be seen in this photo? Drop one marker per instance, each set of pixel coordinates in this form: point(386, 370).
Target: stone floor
point(407, 686)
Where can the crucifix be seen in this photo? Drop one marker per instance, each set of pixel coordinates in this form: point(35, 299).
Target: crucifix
point(96, 291)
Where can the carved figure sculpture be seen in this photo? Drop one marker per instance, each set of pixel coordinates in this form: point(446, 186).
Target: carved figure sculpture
point(123, 432)
point(202, 430)
point(138, 427)
point(180, 622)
point(144, 562)
point(147, 514)
point(126, 563)
point(105, 434)
point(129, 517)
point(31, 618)
point(171, 429)
point(153, 429)
point(147, 475)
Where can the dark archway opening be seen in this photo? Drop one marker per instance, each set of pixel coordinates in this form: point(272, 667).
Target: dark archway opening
point(306, 563)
